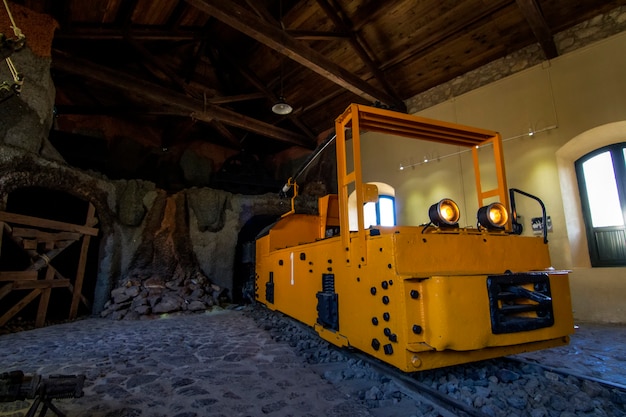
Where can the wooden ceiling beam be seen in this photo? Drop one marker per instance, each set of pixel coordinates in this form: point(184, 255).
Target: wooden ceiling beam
point(225, 132)
point(253, 79)
point(533, 15)
point(109, 110)
point(335, 14)
point(235, 98)
point(313, 35)
point(138, 33)
point(173, 21)
point(273, 37)
point(197, 109)
point(261, 10)
point(159, 68)
point(124, 16)
point(371, 11)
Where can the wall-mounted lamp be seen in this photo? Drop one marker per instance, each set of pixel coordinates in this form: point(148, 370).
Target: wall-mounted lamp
point(424, 160)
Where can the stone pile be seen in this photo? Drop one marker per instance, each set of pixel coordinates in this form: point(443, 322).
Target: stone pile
point(136, 299)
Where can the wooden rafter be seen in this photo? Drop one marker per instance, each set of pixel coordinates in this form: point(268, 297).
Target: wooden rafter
point(125, 12)
point(137, 32)
point(312, 35)
point(334, 13)
point(205, 112)
point(273, 37)
point(159, 69)
point(253, 79)
point(532, 13)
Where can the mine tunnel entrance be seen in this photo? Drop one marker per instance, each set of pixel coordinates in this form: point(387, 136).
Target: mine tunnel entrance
point(243, 270)
point(49, 267)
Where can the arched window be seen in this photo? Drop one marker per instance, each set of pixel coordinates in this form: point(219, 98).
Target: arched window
point(601, 178)
point(381, 213)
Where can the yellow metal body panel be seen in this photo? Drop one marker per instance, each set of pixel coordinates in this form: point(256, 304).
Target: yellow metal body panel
point(414, 297)
point(451, 309)
point(458, 305)
point(295, 230)
point(471, 252)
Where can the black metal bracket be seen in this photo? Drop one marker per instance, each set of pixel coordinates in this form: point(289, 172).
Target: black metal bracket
point(517, 227)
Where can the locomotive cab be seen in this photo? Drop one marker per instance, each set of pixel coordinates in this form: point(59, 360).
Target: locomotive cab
point(417, 296)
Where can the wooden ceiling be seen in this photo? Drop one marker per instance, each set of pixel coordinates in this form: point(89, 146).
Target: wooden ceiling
point(212, 69)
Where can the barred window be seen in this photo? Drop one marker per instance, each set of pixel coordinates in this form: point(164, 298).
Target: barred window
point(601, 178)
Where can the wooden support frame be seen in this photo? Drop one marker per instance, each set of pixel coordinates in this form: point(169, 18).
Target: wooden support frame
point(42, 240)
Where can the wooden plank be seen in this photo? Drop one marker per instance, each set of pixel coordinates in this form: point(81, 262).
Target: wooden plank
point(83, 299)
point(80, 270)
point(41, 284)
point(357, 45)
point(44, 300)
point(273, 37)
point(5, 290)
point(45, 258)
point(70, 287)
point(18, 275)
point(19, 306)
point(532, 13)
point(29, 244)
point(44, 236)
point(49, 224)
point(205, 112)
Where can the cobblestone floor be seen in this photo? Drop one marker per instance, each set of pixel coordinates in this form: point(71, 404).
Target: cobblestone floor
point(217, 364)
point(222, 364)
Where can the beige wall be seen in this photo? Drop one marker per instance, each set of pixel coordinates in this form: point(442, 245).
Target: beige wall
point(575, 103)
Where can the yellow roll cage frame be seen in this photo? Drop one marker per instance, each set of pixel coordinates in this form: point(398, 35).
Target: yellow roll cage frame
point(360, 118)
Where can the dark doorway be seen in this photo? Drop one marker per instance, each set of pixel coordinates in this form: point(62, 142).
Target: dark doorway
point(243, 270)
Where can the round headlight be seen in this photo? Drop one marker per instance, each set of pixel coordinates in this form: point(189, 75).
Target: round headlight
point(444, 213)
point(493, 216)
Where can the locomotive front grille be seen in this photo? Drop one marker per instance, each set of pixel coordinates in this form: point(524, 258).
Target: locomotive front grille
point(519, 302)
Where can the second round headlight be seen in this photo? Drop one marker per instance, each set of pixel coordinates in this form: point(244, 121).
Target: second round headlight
point(493, 216)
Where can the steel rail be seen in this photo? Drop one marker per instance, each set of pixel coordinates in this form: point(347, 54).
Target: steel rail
point(412, 386)
point(566, 372)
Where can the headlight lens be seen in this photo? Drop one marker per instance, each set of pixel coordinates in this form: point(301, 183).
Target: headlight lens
point(444, 213)
point(493, 216)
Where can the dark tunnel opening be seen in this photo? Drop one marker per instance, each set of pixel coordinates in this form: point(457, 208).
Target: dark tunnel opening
point(243, 270)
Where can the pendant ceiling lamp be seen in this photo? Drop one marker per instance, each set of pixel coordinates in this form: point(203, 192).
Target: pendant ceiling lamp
point(281, 107)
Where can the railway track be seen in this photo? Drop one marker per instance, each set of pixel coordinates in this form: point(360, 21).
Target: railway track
point(415, 388)
point(420, 391)
point(495, 388)
point(567, 372)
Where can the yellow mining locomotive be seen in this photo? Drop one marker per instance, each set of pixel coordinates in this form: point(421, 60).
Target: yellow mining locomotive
point(417, 297)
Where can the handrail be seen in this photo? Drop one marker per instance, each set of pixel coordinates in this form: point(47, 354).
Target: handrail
point(512, 192)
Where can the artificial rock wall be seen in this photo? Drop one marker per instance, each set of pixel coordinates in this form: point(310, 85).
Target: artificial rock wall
point(158, 253)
